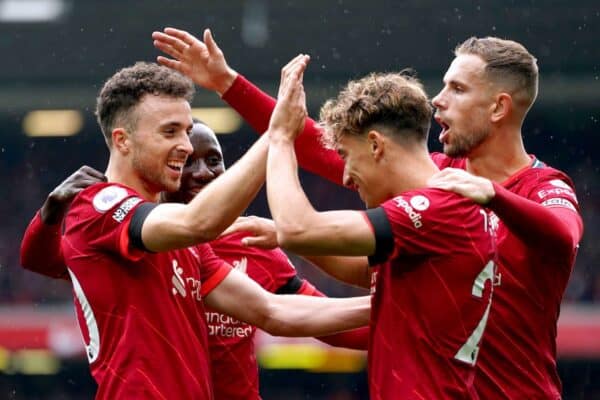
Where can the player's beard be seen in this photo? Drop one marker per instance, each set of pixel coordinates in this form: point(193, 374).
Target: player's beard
point(152, 175)
point(463, 143)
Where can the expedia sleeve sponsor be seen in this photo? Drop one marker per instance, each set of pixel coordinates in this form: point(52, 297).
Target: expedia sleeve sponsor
point(414, 216)
point(557, 188)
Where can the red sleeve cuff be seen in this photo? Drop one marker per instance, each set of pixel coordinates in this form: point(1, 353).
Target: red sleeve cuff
point(214, 280)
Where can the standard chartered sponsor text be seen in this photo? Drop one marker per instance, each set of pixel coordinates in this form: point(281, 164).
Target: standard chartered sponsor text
point(226, 326)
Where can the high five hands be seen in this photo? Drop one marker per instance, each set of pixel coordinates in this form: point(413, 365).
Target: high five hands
point(288, 117)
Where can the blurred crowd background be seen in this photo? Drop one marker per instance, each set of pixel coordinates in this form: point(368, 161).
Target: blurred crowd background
point(57, 53)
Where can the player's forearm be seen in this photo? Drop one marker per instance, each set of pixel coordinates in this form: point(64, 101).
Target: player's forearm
point(40, 249)
point(296, 316)
point(213, 209)
point(534, 223)
point(256, 107)
point(288, 203)
point(357, 339)
point(53, 211)
point(351, 270)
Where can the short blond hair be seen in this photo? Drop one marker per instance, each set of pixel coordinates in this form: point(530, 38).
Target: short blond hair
point(506, 62)
point(395, 102)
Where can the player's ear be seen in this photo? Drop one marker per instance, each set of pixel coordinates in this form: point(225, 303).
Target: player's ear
point(502, 107)
point(121, 140)
point(376, 144)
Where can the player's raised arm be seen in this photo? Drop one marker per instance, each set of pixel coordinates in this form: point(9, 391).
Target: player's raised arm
point(170, 226)
point(205, 63)
point(299, 227)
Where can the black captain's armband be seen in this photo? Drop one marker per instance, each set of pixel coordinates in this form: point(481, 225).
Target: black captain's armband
point(136, 223)
point(291, 286)
point(384, 237)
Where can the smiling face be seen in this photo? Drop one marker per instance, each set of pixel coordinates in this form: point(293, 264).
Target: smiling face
point(160, 143)
point(203, 166)
point(464, 106)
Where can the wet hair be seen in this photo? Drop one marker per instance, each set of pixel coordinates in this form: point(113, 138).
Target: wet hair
point(123, 91)
point(394, 103)
point(508, 63)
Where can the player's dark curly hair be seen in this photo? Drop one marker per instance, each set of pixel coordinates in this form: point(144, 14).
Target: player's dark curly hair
point(123, 91)
point(395, 103)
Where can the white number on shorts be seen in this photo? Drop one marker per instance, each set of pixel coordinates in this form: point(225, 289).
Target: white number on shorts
point(468, 352)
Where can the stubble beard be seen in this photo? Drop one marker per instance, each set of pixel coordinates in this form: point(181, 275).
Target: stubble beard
point(152, 177)
point(462, 145)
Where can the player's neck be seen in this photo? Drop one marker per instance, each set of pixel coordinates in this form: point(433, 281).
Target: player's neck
point(500, 156)
point(118, 173)
point(412, 173)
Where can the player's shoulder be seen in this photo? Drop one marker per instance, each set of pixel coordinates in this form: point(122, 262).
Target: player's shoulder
point(540, 173)
point(102, 199)
point(104, 196)
point(429, 199)
point(430, 208)
point(541, 181)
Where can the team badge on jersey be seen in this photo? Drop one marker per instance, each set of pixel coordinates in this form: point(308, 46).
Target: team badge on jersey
point(108, 197)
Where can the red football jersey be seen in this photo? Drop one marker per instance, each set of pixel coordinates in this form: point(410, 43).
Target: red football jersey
point(521, 361)
point(519, 357)
point(140, 313)
point(231, 342)
point(431, 298)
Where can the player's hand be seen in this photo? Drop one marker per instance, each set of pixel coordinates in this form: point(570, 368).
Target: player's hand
point(203, 62)
point(262, 230)
point(60, 198)
point(478, 189)
point(288, 117)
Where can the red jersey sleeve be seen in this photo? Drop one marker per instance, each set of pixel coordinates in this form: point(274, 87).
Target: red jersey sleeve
point(256, 107)
point(549, 217)
point(41, 250)
point(212, 269)
point(102, 213)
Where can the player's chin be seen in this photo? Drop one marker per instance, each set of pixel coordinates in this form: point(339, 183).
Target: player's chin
point(171, 185)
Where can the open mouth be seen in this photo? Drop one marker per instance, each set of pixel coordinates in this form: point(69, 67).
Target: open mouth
point(445, 128)
point(176, 166)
